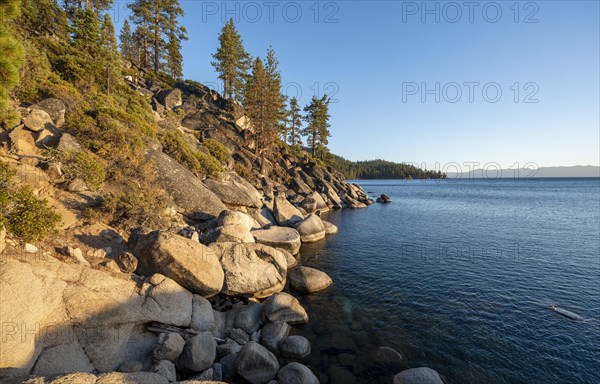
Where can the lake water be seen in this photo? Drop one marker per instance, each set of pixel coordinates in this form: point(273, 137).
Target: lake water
point(458, 276)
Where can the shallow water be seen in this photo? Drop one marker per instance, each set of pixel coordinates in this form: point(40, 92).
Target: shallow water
point(458, 276)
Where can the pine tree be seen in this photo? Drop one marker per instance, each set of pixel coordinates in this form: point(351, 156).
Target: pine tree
point(86, 32)
point(295, 123)
point(311, 129)
point(317, 129)
point(231, 61)
point(157, 22)
point(126, 40)
point(174, 56)
point(140, 47)
point(11, 56)
point(257, 105)
point(323, 132)
point(277, 114)
point(110, 55)
point(97, 6)
point(44, 17)
point(109, 41)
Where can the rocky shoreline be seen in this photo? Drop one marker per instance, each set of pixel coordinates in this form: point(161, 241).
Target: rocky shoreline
point(211, 298)
point(157, 326)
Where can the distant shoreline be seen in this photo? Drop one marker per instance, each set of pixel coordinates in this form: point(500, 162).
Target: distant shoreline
point(485, 178)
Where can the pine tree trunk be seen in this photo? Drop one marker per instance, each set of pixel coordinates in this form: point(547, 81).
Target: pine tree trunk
point(145, 64)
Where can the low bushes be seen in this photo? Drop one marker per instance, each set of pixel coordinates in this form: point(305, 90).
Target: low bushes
point(23, 214)
point(131, 210)
point(216, 149)
point(81, 165)
point(176, 146)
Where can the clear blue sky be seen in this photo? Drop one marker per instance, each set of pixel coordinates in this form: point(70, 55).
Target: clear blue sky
point(379, 56)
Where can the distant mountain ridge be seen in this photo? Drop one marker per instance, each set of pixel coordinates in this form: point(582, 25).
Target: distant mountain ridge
point(542, 172)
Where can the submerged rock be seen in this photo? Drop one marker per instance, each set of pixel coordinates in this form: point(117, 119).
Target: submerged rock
point(422, 375)
point(309, 280)
point(256, 364)
point(296, 373)
point(340, 375)
point(384, 199)
point(295, 347)
point(285, 307)
point(336, 343)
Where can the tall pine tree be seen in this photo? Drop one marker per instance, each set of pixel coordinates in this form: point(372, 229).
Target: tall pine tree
point(110, 55)
point(317, 128)
point(174, 56)
point(86, 32)
point(277, 111)
point(157, 22)
point(97, 6)
point(107, 34)
point(44, 18)
point(139, 39)
point(294, 123)
point(126, 40)
point(231, 61)
point(257, 105)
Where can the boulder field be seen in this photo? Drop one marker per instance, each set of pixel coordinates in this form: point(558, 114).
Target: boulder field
point(211, 299)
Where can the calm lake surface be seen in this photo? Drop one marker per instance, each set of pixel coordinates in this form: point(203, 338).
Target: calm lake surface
point(458, 275)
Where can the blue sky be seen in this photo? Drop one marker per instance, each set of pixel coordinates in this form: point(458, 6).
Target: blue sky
point(388, 61)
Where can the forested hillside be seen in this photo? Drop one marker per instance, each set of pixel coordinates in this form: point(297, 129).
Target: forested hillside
point(381, 169)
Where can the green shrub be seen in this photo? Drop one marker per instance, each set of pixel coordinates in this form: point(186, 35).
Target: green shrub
point(23, 214)
point(6, 187)
point(209, 165)
point(176, 146)
point(160, 76)
point(216, 149)
point(81, 165)
point(131, 210)
point(29, 217)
